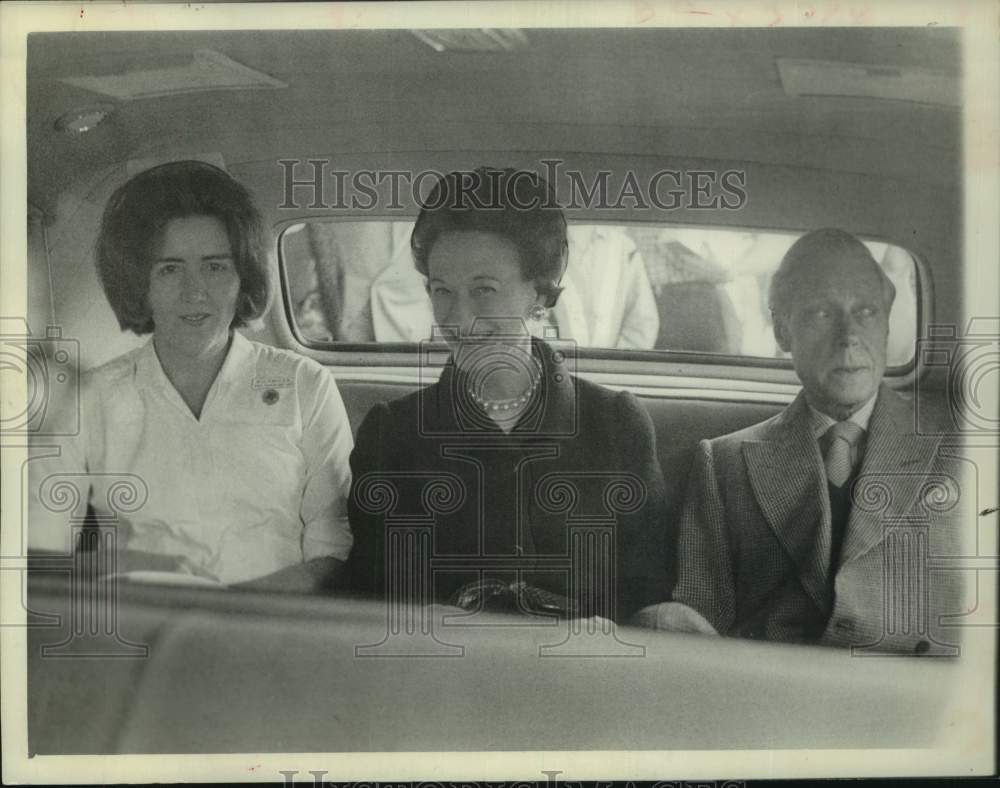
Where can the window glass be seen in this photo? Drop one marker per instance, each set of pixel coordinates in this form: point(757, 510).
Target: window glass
point(628, 287)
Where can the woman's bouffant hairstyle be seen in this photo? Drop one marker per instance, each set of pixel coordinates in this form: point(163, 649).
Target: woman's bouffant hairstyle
point(137, 215)
point(515, 204)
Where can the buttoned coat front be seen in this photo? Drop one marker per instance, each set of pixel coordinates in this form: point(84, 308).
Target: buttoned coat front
point(579, 470)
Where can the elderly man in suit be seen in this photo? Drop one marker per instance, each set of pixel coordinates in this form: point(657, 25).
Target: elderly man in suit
point(783, 535)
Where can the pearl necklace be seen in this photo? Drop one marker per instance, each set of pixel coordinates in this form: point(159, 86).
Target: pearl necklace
point(498, 405)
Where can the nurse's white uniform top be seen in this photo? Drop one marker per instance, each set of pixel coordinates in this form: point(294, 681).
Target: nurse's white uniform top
point(258, 483)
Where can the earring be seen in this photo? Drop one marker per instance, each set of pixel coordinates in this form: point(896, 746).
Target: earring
point(537, 312)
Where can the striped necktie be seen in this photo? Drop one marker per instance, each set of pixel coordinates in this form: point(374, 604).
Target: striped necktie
point(841, 447)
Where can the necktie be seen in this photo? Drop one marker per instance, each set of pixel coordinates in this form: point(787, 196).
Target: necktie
point(840, 457)
point(841, 440)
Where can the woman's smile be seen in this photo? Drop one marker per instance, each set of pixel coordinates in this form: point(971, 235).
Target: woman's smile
point(193, 286)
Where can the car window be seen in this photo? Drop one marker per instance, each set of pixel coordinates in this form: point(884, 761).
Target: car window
point(627, 287)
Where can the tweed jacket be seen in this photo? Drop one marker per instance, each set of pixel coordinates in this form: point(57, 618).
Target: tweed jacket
point(754, 539)
point(505, 506)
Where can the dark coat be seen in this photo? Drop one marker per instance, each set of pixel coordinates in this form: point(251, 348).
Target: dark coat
point(485, 504)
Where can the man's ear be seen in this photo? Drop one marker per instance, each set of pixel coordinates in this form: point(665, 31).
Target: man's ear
point(781, 332)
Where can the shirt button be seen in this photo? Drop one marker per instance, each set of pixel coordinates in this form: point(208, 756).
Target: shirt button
point(922, 647)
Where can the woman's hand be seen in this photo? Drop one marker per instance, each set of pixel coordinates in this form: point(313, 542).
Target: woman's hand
point(137, 566)
point(317, 576)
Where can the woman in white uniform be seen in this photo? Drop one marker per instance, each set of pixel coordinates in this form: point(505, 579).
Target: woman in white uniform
point(235, 454)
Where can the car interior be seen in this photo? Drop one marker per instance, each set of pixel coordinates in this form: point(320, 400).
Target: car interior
point(857, 128)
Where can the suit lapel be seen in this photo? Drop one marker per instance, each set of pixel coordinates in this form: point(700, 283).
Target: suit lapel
point(894, 468)
point(785, 471)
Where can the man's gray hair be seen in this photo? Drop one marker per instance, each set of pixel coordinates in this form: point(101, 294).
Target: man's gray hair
point(814, 248)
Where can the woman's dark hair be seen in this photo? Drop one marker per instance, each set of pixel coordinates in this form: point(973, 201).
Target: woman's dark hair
point(515, 204)
point(134, 221)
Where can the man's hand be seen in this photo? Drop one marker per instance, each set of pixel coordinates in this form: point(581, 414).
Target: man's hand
point(673, 617)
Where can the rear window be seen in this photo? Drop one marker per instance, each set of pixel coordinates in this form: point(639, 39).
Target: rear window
point(627, 287)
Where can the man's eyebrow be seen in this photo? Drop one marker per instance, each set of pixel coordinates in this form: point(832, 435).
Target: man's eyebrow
point(214, 256)
point(477, 278)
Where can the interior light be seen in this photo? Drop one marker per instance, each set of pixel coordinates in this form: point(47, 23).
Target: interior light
point(80, 121)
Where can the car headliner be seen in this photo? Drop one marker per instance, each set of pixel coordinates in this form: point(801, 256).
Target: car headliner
point(708, 94)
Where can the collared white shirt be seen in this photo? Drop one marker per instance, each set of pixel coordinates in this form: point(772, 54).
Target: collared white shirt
point(258, 483)
point(607, 300)
point(400, 308)
point(821, 422)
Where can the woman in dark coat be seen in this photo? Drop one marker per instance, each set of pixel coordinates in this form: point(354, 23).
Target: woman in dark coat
point(509, 482)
